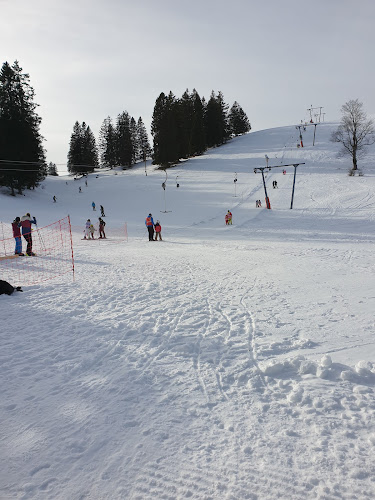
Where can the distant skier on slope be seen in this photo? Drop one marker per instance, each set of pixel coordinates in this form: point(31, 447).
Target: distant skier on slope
point(228, 218)
point(149, 222)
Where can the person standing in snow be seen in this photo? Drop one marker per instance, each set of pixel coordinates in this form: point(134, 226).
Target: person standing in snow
point(54, 199)
point(25, 223)
point(158, 231)
point(17, 236)
point(102, 211)
point(93, 206)
point(229, 217)
point(101, 228)
point(92, 231)
point(150, 227)
point(87, 230)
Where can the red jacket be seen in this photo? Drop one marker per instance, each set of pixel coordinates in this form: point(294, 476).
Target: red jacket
point(16, 229)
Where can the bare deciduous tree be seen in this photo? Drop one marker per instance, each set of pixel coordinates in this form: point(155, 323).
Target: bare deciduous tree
point(355, 131)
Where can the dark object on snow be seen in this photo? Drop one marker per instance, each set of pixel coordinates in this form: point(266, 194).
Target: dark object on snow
point(8, 289)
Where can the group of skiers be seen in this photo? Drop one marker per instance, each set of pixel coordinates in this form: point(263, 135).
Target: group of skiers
point(24, 224)
point(228, 218)
point(90, 230)
point(153, 228)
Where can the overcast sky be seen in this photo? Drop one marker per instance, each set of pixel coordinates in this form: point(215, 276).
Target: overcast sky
point(89, 59)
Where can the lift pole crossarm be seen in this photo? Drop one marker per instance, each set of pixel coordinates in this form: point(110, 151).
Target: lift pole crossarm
point(277, 166)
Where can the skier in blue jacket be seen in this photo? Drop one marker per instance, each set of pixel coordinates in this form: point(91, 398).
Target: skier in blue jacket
point(150, 227)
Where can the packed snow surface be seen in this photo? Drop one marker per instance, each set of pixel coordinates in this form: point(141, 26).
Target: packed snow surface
point(224, 362)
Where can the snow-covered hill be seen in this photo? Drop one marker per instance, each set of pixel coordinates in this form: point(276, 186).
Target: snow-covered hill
point(225, 362)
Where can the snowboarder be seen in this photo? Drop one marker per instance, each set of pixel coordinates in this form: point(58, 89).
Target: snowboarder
point(17, 236)
point(93, 206)
point(101, 228)
point(149, 222)
point(102, 211)
point(158, 231)
point(54, 199)
point(25, 223)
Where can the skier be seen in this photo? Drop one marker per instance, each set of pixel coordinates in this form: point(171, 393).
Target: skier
point(93, 206)
point(158, 231)
point(17, 236)
point(80, 189)
point(87, 230)
point(54, 199)
point(229, 214)
point(149, 222)
point(92, 230)
point(101, 228)
point(25, 223)
point(102, 211)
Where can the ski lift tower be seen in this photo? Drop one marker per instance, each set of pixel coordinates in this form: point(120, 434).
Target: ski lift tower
point(164, 185)
point(268, 168)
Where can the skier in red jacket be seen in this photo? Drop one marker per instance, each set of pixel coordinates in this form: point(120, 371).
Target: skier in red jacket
point(25, 223)
point(17, 236)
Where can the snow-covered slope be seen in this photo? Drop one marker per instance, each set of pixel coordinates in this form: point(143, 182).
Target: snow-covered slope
point(225, 362)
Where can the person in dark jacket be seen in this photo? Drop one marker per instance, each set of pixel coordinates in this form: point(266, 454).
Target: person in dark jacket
point(7, 289)
point(150, 227)
point(101, 228)
point(25, 223)
point(17, 236)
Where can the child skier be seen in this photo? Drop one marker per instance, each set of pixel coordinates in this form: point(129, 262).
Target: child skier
point(158, 231)
point(228, 217)
point(92, 231)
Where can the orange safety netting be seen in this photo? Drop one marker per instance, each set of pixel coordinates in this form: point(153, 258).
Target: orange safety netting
point(54, 254)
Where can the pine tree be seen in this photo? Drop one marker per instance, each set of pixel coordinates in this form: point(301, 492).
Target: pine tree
point(134, 140)
point(164, 129)
point(144, 148)
point(124, 146)
point(238, 120)
point(108, 144)
point(216, 123)
point(83, 154)
point(185, 116)
point(198, 135)
point(22, 157)
point(52, 169)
